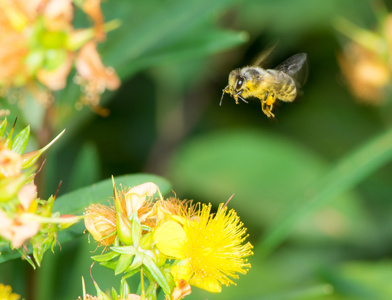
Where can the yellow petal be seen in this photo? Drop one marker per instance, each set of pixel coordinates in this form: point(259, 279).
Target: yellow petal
point(170, 238)
point(209, 284)
point(181, 272)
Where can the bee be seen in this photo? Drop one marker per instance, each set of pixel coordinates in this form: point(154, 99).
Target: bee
point(283, 82)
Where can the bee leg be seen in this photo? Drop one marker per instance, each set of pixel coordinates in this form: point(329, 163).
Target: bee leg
point(268, 104)
point(263, 108)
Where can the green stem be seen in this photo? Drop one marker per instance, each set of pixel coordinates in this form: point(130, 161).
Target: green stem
point(366, 38)
point(347, 173)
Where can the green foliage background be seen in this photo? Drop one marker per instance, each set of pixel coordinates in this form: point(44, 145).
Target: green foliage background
point(313, 187)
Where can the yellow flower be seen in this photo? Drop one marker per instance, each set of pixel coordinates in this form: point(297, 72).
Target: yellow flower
point(6, 293)
point(210, 248)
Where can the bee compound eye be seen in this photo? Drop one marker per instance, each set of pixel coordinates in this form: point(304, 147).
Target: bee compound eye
point(239, 83)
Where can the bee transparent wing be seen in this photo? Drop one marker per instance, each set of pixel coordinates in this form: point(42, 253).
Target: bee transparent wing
point(296, 66)
point(263, 58)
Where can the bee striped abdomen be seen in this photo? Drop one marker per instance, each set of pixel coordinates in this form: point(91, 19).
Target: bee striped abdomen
point(285, 87)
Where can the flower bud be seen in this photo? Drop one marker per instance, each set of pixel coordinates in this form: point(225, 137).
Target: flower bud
point(124, 229)
point(100, 221)
point(146, 241)
point(29, 159)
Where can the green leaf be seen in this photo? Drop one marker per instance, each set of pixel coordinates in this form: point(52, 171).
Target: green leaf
point(202, 43)
point(123, 263)
point(361, 280)
point(348, 172)
point(136, 229)
point(131, 273)
point(86, 168)
point(164, 25)
point(124, 249)
point(114, 294)
point(75, 202)
point(124, 289)
point(136, 263)
point(109, 264)
point(27, 257)
point(20, 141)
point(157, 274)
point(100, 294)
point(105, 257)
point(3, 126)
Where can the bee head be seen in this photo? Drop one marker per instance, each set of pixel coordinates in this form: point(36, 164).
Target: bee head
point(235, 86)
point(236, 80)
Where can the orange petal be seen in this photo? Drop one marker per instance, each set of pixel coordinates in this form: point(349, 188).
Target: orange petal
point(58, 15)
point(181, 290)
point(90, 67)
point(56, 79)
point(10, 163)
point(93, 9)
point(27, 194)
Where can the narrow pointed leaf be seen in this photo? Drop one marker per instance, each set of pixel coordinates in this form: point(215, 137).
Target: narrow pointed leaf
point(157, 275)
point(3, 125)
point(114, 294)
point(131, 250)
point(124, 289)
point(109, 264)
point(131, 273)
point(105, 257)
point(20, 141)
point(122, 264)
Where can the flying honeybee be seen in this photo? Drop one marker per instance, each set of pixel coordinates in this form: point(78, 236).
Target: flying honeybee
point(283, 83)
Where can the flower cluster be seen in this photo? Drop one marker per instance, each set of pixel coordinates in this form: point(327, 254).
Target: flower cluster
point(366, 59)
point(175, 244)
point(23, 216)
point(7, 294)
point(43, 46)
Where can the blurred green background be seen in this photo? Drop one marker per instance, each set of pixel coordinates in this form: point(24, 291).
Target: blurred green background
point(313, 187)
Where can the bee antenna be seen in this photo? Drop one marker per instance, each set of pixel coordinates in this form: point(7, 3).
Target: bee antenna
point(220, 103)
point(243, 99)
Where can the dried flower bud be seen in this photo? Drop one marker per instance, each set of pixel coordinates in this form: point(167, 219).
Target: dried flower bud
point(100, 221)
